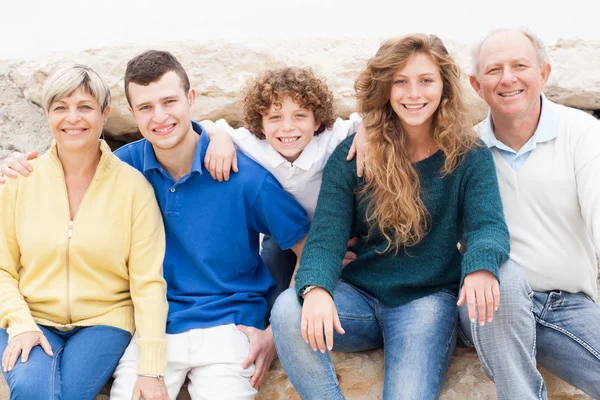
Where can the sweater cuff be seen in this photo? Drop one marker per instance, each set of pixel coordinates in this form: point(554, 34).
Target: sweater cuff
point(153, 356)
point(488, 261)
point(20, 322)
point(314, 280)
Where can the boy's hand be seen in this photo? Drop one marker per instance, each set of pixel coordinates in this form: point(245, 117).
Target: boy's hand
point(359, 148)
point(481, 292)
point(350, 255)
point(221, 157)
point(17, 163)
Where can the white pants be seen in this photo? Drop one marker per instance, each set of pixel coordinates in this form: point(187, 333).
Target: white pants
point(211, 357)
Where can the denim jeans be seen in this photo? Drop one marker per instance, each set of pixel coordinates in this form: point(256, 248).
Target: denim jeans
point(562, 329)
point(281, 263)
point(418, 339)
point(84, 359)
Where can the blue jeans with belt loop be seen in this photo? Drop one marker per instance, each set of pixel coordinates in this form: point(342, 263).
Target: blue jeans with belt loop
point(418, 339)
point(83, 361)
point(559, 330)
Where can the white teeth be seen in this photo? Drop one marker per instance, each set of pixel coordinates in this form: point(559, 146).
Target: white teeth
point(510, 93)
point(162, 130)
point(414, 106)
point(289, 140)
point(73, 131)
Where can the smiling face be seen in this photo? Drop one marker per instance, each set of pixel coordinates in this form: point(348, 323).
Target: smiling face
point(162, 110)
point(416, 92)
point(510, 79)
point(76, 121)
point(289, 128)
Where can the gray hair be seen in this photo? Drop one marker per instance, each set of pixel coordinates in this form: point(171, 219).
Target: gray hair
point(538, 45)
point(63, 82)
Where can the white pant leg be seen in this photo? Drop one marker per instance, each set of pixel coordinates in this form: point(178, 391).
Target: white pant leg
point(177, 367)
point(217, 372)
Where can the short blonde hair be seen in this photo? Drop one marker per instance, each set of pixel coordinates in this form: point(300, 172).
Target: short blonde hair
point(66, 80)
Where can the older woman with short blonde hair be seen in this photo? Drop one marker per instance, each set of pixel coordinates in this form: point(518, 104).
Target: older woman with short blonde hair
point(81, 251)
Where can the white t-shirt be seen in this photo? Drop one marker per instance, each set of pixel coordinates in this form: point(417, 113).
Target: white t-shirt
point(302, 178)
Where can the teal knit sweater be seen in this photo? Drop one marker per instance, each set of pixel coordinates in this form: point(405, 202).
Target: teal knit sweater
point(465, 204)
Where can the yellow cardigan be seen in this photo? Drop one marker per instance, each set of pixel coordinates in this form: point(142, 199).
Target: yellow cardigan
point(89, 271)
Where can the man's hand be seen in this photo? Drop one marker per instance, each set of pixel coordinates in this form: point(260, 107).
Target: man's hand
point(481, 292)
point(262, 353)
point(359, 148)
point(319, 315)
point(23, 343)
point(149, 388)
point(221, 157)
point(17, 163)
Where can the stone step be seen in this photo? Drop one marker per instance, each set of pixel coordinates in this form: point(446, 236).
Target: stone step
point(361, 378)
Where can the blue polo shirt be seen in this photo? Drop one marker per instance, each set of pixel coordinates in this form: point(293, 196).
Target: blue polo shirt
point(212, 266)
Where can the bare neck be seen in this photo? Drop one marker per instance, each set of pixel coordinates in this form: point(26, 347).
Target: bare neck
point(420, 142)
point(515, 132)
point(178, 160)
point(81, 164)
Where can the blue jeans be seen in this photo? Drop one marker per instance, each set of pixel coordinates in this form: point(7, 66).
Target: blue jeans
point(562, 329)
point(84, 359)
point(281, 263)
point(418, 339)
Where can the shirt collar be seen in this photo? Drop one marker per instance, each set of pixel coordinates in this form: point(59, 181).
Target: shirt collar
point(150, 161)
point(304, 161)
point(547, 128)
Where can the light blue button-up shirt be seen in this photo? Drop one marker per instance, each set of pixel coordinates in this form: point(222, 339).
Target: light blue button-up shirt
point(547, 129)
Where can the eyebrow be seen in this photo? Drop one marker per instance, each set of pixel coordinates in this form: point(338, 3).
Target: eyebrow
point(160, 100)
point(420, 75)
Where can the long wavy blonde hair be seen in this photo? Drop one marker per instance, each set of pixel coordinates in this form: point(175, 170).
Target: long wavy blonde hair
point(392, 187)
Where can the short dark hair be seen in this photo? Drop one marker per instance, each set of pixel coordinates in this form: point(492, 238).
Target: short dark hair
point(150, 66)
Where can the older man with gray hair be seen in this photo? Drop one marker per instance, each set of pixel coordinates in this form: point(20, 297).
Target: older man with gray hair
point(548, 162)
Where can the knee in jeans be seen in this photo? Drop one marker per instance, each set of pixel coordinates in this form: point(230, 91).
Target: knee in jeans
point(286, 310)
point(21, 388)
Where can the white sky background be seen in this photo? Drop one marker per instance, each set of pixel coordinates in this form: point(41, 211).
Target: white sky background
point(31, 28)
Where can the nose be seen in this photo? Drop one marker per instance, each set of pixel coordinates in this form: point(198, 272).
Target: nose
point(508, 77)
point(288, 124)
point(413, 91)
point(160, 115)
point(73, 115)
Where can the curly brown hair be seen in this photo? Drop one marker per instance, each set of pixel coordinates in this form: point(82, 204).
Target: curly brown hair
point(302, 85)
point(393, 187)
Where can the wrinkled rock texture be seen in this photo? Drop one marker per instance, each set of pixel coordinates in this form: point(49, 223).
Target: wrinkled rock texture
point(218, 70)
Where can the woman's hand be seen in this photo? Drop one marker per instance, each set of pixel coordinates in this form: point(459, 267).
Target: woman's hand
point(481, 292)
point(319, 315)
point(23, 343)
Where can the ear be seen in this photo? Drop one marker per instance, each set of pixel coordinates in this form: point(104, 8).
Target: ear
point(317, 126)
point(131, 110)
point(192, 97)
point(105, 113)
point(475, 85)
point(546, 69)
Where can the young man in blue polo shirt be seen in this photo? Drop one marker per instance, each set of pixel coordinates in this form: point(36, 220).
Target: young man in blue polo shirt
point(216, 280)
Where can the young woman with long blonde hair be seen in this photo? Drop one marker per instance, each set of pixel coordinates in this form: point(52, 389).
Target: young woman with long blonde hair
point(429, 183)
